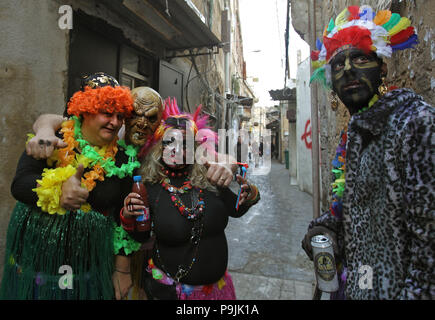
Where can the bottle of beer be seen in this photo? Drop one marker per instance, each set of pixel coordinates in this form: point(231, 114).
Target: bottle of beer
point(143, 222)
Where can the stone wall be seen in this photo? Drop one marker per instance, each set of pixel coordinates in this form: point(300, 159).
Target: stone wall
point(410, 68)
point(33, 66)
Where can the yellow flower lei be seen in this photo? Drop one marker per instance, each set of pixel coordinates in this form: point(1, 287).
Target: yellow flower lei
point(49, 190)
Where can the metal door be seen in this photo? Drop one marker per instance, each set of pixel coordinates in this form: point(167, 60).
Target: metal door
point(171, 82)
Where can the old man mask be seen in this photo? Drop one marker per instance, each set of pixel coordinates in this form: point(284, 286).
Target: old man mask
point(148, 109)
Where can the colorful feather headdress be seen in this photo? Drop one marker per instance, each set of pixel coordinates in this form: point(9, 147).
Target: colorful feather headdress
point(360, 27)
point(173, 118)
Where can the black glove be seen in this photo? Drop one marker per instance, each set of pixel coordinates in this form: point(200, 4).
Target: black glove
point(306, 242)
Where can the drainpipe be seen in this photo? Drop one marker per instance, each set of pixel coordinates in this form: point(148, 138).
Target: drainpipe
point(314, 119)
point(210, 13)
point(227, 57)
point(227, 85)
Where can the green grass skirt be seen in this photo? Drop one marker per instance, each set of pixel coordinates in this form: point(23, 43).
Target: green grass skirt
point(39, 244)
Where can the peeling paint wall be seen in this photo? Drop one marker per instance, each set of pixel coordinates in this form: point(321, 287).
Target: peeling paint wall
point(33, 67)
point(303, 127)
point(415, 68)
point(410, 68)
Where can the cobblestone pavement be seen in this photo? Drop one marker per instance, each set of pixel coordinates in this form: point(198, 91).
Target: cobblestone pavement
point(266, 260)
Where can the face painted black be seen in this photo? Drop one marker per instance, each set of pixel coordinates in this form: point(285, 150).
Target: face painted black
point(355, 77)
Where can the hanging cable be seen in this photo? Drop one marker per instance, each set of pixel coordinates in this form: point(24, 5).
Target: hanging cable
point(287, 36)
point(167, 9)
point(186, 87)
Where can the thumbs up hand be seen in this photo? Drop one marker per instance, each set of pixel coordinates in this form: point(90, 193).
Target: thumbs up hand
point(73, 195)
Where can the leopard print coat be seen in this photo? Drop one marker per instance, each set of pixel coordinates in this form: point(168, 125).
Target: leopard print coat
point(388, 202)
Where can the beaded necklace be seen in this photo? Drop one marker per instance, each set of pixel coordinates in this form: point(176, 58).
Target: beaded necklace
point(187, 185)
point(171, 173)
point(193, 213)
point(182, 270)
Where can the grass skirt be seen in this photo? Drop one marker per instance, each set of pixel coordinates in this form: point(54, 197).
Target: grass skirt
point(39, 244)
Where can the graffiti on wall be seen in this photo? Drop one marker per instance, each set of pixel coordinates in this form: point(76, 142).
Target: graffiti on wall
point(306, 137)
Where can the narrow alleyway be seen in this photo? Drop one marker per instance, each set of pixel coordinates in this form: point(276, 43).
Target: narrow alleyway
point(266, 260)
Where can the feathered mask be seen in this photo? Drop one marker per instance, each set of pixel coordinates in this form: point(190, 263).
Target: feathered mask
point(359, 27)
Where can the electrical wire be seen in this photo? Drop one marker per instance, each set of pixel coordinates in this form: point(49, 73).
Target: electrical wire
point(211, 92)
point(207, 85)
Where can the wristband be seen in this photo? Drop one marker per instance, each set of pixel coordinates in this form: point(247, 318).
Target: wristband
point(126, 223)
point(254, 197)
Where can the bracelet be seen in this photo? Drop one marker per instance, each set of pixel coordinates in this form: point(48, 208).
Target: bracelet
point(123, 272)
point(252, 194)
point(127, 223)
point(254, 199)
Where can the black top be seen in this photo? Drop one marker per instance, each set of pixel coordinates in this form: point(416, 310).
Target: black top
point(173, 233)
point(107, 197)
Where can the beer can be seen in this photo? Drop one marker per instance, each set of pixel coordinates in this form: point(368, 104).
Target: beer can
point(324, 263)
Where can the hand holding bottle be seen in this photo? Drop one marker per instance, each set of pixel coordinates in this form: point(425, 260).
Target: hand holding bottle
point(133, 206)
point(136, 204)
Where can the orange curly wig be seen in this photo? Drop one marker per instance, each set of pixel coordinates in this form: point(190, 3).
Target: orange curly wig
point(104, 99)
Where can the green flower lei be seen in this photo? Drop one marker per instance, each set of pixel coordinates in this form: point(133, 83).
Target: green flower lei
point(108, 165)
point(122, 240)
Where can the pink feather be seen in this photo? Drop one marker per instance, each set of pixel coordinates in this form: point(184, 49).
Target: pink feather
point(171, 107)
point(196, 114)
point(166, 110)
point(175, 110)
point(201, 123)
